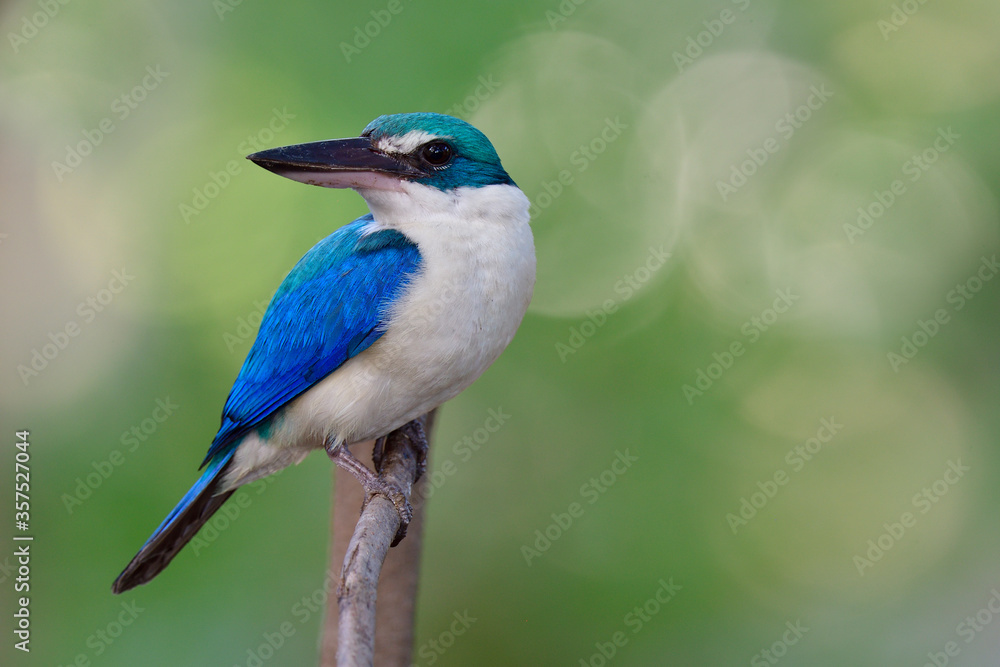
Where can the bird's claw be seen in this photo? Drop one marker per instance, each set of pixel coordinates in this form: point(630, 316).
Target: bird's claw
point(374, 485)
point(418, 438)
point(415, 433)
point(393, 494)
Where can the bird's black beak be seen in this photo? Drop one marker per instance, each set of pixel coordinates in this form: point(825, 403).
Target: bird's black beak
point(338, 163)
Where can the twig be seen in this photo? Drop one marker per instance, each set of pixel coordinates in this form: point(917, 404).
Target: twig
point(349, 636)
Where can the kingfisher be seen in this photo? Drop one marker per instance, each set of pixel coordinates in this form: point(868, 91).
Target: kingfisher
point(380, 322)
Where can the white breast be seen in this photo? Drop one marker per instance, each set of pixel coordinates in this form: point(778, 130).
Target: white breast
point(456, 317)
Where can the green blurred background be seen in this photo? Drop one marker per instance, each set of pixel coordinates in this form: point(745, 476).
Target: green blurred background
point(741, 137)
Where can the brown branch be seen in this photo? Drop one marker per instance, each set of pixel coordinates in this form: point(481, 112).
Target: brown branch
point(349, 635)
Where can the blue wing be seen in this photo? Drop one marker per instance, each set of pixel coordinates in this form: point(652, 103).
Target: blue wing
point(330, 307)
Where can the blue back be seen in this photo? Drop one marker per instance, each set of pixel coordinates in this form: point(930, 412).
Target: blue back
point(331, 306)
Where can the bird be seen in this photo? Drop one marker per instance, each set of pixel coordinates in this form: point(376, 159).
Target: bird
point(380, 322)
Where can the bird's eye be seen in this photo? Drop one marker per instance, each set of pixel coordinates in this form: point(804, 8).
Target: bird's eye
point(436, 153)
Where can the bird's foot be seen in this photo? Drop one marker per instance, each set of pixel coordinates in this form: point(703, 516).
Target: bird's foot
point(418, 438)
point(414, 432)
point(373, 485)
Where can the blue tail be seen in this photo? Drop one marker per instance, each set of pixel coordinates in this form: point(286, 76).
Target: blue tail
point(195, 508)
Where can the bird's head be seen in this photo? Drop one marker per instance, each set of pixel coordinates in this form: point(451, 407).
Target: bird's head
point(430, 149)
